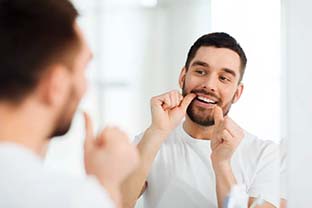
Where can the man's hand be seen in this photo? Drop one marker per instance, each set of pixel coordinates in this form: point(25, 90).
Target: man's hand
point(168, 110)
point(226, 137)
point(110, 157)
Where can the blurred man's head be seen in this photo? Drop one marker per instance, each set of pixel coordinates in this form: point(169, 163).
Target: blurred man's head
point(43, 56)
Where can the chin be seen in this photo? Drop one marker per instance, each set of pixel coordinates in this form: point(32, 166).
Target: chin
point(203, 122)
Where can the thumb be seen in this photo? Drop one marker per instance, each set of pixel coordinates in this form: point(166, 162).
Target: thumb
point(88, 131)
point(187, 100)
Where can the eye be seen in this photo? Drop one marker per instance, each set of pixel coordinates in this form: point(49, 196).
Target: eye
point(200, 72)
point(225, 79)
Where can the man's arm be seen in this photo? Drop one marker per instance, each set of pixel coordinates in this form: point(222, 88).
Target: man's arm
point(134, 186)
point(225, 139)
point(264, 205)
point(225, 181)
point(167, 112)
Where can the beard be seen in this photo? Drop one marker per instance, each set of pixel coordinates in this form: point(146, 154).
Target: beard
point(200, 115)
point(65, 117)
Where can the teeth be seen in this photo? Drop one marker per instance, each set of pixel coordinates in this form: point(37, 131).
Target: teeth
point(206, 100)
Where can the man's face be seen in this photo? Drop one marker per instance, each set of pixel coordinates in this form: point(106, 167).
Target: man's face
point(77, 89)
point(213, 75)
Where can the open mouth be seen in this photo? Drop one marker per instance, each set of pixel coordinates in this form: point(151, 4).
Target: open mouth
point(206, 100)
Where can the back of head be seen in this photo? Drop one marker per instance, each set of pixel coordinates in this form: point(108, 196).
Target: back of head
point(33, 35)
point(218, 40)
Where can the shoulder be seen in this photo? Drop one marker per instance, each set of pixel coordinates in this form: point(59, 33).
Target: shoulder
point(261, 159)
point(258, 151)
point(73, 191)
point(76, 191)
point(255, 145)
point(56, 188)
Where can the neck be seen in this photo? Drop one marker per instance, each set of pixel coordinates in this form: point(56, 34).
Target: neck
point(197, 131)
point(24, 125)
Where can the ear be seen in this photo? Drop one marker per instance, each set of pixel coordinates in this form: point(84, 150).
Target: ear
point(182, 77)
point(238, 92)
point(54, 85)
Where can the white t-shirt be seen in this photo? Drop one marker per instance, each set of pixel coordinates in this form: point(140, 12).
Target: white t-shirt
point(24, 183)
point(182, 174)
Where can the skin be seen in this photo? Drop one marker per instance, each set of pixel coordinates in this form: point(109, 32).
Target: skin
point(214, 74)
point(55, 98)
point(283, 203)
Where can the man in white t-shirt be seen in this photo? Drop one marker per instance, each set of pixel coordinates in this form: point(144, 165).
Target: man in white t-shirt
point(196, 162)
point(43, 58)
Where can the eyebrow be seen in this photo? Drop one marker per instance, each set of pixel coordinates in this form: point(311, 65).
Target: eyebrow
point(230, 71)
point(200, 63)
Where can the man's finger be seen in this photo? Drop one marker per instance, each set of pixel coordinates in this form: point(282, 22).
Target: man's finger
point(226, 136)
point(217, 115)
point(88, 130)
point(107, 135)
point(187, 100)
point(234, 129)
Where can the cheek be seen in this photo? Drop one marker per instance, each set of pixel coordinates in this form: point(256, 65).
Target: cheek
point(190, 84)
point(83, 87)
point(228, 95)
point(80, 84)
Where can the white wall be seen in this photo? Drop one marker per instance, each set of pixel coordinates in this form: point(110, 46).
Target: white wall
point(299, 100)
point(256, 26)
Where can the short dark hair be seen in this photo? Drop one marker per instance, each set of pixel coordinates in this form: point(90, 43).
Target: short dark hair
point(218, 40)
point(33, 35)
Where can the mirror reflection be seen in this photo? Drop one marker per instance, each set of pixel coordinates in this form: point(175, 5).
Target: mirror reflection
point(140, 49)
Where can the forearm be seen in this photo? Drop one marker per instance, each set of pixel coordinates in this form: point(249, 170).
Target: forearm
point(225, 180)
point(148, 148)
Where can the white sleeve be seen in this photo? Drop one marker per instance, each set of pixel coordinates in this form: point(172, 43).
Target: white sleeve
point(91, 194)
point(266, 181)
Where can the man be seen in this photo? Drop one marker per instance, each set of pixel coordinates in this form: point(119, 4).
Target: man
point(197, 162)
point(43, 57)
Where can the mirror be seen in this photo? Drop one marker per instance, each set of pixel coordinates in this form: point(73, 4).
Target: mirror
point(140, 47)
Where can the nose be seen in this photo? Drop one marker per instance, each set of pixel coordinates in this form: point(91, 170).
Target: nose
point(210, 83)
